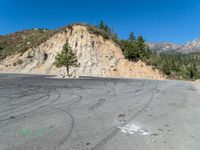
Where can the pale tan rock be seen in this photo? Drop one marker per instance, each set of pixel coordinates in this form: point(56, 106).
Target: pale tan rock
point(97, 57)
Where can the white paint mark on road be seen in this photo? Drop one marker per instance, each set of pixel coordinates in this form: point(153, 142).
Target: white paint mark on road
point(132, 129)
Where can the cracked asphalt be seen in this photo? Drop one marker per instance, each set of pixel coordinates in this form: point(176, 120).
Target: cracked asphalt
point(38, 112)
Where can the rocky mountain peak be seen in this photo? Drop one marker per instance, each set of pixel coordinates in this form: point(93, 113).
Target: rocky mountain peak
point(192, 46)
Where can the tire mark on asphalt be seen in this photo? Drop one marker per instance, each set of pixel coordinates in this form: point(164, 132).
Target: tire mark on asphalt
point(77, 100)
point(46, 97)
point(65, 139)
point(116, 131)
point(112, 90)
point(26, 102)
point(55, 100)
point(171, 109)
point(41, 107)
point(96, 105)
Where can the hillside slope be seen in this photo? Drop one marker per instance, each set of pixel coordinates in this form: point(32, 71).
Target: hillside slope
point(23, 40)
point(97, 56)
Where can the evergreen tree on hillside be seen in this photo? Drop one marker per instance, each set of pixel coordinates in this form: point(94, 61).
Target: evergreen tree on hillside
point(130, 50)
point(67, 58)
point(142, 49)
point(101, 25)
point(131, 38)
point(106, 29)
point(174, 65)
point(135, 49)
point(115, 38)
point(178, 65)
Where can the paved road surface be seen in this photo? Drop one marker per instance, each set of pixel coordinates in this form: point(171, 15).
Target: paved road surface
point(41, 113)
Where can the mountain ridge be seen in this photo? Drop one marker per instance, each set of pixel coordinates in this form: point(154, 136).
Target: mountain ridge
point(188, 47)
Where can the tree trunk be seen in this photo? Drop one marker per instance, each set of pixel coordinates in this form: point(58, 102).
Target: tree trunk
point(67, 67)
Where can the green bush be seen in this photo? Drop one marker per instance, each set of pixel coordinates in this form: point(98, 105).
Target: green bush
point(98, 32)
point(104, 31)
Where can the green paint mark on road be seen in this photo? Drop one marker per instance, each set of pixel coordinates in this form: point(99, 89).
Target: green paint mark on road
point(34, 132)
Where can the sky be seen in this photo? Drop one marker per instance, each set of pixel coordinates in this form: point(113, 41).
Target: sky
point(176, 21)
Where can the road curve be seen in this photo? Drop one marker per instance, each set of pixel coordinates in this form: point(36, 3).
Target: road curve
point(38, 112)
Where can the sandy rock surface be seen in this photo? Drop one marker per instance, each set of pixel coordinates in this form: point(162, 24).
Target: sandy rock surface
point(97, 57)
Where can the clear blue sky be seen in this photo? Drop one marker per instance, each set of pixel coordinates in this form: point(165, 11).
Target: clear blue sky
point(157, 20)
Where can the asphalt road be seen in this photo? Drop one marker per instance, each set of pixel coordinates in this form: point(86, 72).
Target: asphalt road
point(42, 113)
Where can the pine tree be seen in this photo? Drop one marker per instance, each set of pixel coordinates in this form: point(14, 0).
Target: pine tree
point(142, 48)
point(115, 38)
point(101, 25)
point(131, 38)
point(130, 51)
point(67, 58)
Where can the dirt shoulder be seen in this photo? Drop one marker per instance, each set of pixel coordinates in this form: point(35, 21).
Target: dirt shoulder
point(197, 85)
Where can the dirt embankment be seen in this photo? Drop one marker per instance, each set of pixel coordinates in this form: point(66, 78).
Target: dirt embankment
point(197, 85)
point(97, 57)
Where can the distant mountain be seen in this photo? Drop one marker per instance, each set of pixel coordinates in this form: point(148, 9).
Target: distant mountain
point(189, 47)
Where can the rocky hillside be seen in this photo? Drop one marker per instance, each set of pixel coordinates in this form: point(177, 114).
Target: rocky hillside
point(189, 47)
point(97, 56)
point(21, 41)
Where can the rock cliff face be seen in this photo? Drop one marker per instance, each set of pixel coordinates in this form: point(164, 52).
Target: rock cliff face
point(97, 57)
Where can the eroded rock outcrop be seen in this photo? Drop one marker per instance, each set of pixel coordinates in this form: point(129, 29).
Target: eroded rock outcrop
point(97, 57)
